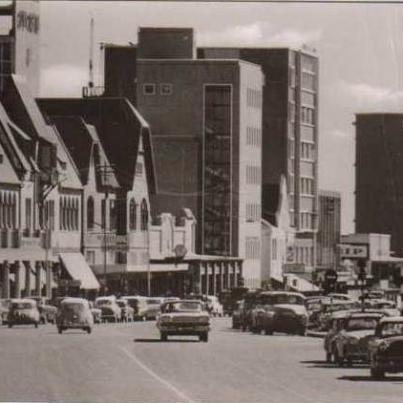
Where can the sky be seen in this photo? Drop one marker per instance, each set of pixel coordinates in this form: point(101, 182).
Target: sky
point(359, 48)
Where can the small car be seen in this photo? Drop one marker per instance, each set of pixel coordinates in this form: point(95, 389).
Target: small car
point(184, 317)
point(153, 308)
point(214, 306)
point(110, 310)
point(281, 311)
point(96, 313)
point(127, 312)
point(328, 307)
point(389, 307)
point(250, 302)
point(74, 313)
point(340, 297)
point(386, 349)
point(352, 342)
point(139, 305)
point(23, 312)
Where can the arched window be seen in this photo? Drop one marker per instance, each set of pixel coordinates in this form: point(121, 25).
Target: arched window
point(90, 213)
point(133, 214)
point(144, 215)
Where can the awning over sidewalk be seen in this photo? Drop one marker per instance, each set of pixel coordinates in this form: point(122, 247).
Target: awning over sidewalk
point(78, 269)
point(300, 284)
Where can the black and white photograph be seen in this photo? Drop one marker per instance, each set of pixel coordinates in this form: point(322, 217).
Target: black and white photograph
point(201, 201)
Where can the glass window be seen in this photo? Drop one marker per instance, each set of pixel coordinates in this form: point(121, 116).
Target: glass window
point(90, 213)
point(149, 89)
point(112, 215)
point(165, 89)
point(133, 215)
point(144, 215)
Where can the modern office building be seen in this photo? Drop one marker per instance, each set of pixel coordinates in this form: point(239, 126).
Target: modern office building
point(19, 43)
point(329, 228)
point(289, 132)
point(206, 119)
point(378, 168)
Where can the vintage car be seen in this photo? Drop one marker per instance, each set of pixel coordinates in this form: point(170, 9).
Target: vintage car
point(46, 310)
point(139, 305)
point(351, 343)
point(110, 310)
point(127, 312)
point(250, 303)
point(185, 317)
point(214, 307)
point(153, 308)
point(331, 306)
point(23, 312)
point(236, 315)
point(336, 325)
point(340, 297)
point(313, 307)
point(96, 312)
point(386, 349)
point(228, 298)
point(389, 307)
point(74, 313)
point(281, 311)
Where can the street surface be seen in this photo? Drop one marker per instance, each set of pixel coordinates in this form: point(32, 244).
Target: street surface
point(127, 363)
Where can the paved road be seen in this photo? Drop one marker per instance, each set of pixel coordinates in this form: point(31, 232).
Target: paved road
point(128, 363)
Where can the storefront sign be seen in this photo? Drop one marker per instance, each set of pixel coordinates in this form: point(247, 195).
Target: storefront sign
point(348, 251)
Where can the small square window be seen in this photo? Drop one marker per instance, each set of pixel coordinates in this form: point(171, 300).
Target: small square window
point(166, 89)
point(149, 89)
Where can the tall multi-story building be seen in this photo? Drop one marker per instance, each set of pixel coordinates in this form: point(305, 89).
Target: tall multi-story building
point(328, 236)
point(206, 119)
point(379, 186)
point(289, 132)
point(19, 43)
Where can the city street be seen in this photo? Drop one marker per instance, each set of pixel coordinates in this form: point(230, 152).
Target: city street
point(127, 363)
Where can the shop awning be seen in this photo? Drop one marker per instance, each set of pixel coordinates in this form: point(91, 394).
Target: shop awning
point(299, 284)
point(78, 269)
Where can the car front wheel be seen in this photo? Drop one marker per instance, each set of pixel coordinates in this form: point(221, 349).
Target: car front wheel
point(204, 337)
point(164, 337)
point(60, 330)
point(377, 373)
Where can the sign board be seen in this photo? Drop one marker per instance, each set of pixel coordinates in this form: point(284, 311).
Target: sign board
point(331, 276)
point(348, 251)
point(293, 268)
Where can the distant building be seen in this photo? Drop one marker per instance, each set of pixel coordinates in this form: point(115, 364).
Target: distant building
point(289, 132)
point(328, 236)
point(206, 118)
point(19, 43)
point(378, 173)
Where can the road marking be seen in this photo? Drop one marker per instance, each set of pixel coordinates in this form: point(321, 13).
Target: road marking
point(156, 376)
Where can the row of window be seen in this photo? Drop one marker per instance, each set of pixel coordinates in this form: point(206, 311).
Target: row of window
point(308, 81)
point(69, 208)
point(133, 258)
point(253, 175)
point(306, 221)
point(253, 212)
point(307, 186)
point(252, 248)
point(133, 212)
point(253, 136)
point(253, 98)
point(304, 254)
point(8, 210)
point(151, 89)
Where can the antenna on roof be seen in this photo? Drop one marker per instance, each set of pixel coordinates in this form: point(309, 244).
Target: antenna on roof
point(91, 66)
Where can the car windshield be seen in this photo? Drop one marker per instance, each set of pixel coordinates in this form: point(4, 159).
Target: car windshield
point(22, 305)
point(73, 307)
point(288, 299)
point(183, 307)
point(341, 307)
point(392, 329)
point(153, 301)
point(121, 304)
point(104, 302)
point(361, 323)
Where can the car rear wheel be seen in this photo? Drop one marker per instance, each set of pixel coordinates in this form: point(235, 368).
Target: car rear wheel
point(89, 330)
point(377, 373)
point(204, 337)
point(164, 337)
point(36, 325)
point(60, 330)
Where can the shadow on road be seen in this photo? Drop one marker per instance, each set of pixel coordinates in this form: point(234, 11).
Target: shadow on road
point(370, 379)
point(168, 341)
point(325, 364)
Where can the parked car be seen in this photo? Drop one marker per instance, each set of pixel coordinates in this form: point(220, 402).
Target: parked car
point(250, 302)
point(139, 305)
point(340, 297)
point(46, 310)
point(351, 343)
point(336, 325)
point(153, 308)
point(110, 310)
point(185, 317)
point(236, 315)
point(389, 307)
point(214, 307)
point(23, 312)
point(74, 313)
point(96, 312)
point(4, 308)
point(386, 349)
point(127, 312)
point(314, 307)
point(282, 311)
point(328, 307)
point(229, 298)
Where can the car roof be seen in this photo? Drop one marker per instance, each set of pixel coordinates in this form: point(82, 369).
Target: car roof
point(354, 315)
point(186, 300)
point(392, 319)
point(282, 293)
point(23, 301)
